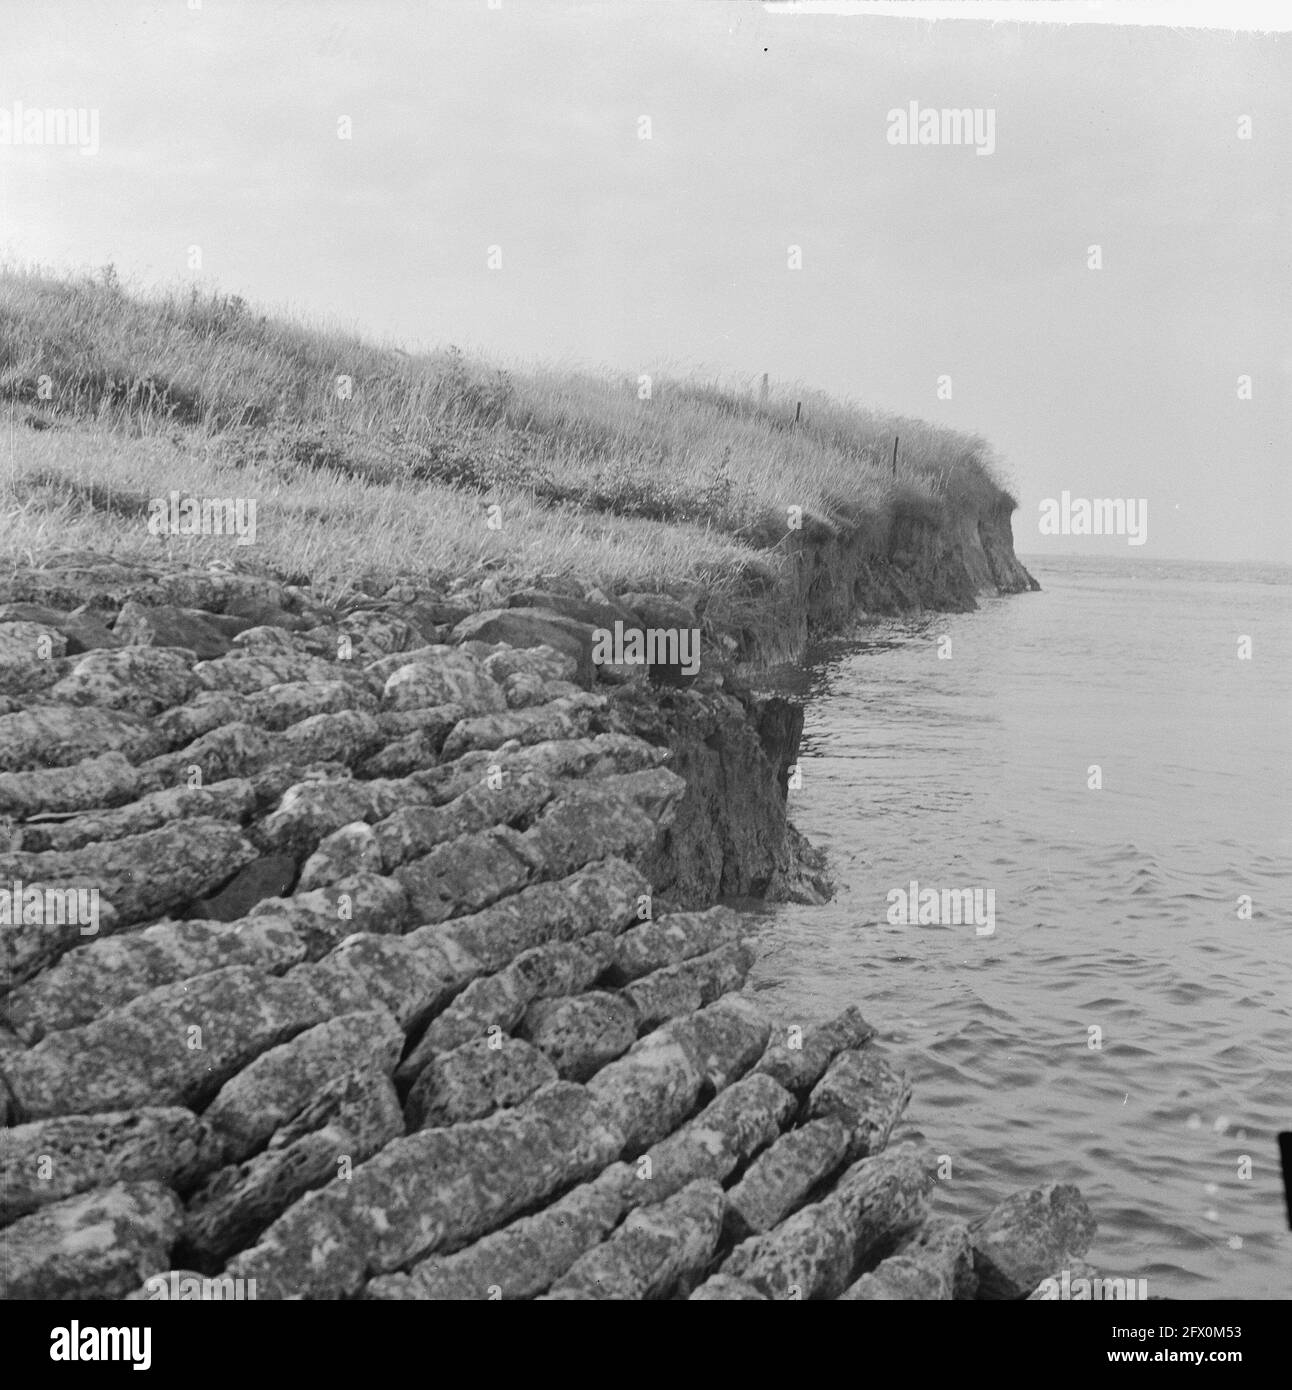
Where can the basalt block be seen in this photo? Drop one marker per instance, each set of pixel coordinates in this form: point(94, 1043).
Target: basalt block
point(436, 1189)
point(498, 1002)
point(866, 1094)
point(533, 627)
point(110, 972)
point(798, 1057)
point(654, 1250)
point(581, 1033)
point(1027, 1237)
point(683, 988)
point(232, 800)
point(616, 815)
point(49, 1160)
point(343, 737)
point(524, 1258)
point(778, 1182)
point(175, 1045)
point(565, 718)
point(351, 850)
point(107, 780)
point(93, 1245)
point(545, 664)
point(467, 873)
point(285, 706)
point(725, 1039)
point(324, 917)
point(352, 1117)
point(81, 628)
point(604, 896)
point(649, 1091)
point(724, 1288)
point(445, 676)
point(28, 947)
point(143, 680)
point(164, 625)
point(670, 940)
point(741, 1120)
point(246, 672)
point(816, 1252)
point(410, 980)
point(474, 1080)
point(56, 735)
point(310, 811)
point(142, 875)
point(936, 1264)
point(207, 710)
point(413, 831)
point(268, 1092)
point(233, 750)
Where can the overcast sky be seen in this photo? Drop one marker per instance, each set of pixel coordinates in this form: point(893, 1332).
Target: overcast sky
point(519, 127)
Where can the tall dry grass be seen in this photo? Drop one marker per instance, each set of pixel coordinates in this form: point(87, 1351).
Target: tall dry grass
point(362, 457)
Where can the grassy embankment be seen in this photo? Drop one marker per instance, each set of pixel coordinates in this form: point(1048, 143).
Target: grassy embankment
point(114, 398)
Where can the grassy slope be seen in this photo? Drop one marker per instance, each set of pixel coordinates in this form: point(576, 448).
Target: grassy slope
point(114, 398)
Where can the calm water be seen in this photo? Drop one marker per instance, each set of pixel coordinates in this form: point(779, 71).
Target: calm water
point(1115, 908)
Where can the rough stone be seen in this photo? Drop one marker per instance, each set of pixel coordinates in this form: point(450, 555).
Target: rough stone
point(582, 1032)
point(351, 1118)
point(444, 677)
point(231, 800)
point(267, 1093)
point(56, 735)
point(431, 1191)
point(474, 1080)
point(145, 1052)
point(866, 1094)
point(565, 718)
point(683, 988)
point(197, 855)
point(166, 1144)
point(799, 1058)
point(935, 1264)
point(670, 940)
point(779, 1181)
point(741, 1120)
point(500, 1001)
point(112, 971)
point(165, 625)
point(107, 780)
point(524, 1258)
point(816, 1252)
point(93, 1245)
point(655, 1248)
point(533, 627)
point(1027, 1237)
point(466, 874)
point(142, 680)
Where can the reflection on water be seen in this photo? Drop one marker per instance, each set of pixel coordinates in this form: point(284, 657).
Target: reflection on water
point(1123, 1028)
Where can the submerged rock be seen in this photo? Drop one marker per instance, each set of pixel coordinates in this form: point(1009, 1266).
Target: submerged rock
point(1027, 1237)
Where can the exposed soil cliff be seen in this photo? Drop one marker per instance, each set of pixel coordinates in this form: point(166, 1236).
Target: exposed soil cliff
point(731, 834)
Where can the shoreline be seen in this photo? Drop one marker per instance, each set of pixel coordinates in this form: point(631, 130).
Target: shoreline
point(441, 906)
